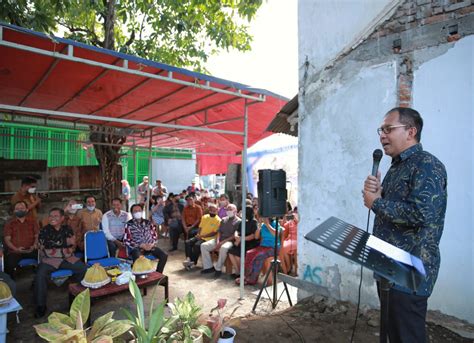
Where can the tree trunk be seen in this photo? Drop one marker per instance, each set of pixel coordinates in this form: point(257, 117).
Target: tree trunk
point(108, 158)
point(109, 25)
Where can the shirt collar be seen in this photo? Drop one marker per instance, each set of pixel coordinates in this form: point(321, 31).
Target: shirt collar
point(407, 153)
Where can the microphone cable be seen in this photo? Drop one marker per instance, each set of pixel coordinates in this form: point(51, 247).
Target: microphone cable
point(360, 286)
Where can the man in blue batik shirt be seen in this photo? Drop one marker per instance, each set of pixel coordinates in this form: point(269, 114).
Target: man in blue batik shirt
point(409, 207)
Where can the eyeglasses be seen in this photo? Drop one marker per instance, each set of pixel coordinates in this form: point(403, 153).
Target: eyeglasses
point(388, 129)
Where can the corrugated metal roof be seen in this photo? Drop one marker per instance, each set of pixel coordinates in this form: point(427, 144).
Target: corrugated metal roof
point(286, 121)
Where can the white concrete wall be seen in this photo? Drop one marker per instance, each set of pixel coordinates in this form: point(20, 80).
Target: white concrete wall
point(444, 95)
point(175, 174)
point(326, 27)
point(337, 138)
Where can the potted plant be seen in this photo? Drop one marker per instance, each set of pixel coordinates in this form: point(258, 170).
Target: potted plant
point(184, 321)
point(221, 332)
point(156, 330)
point(70, 328)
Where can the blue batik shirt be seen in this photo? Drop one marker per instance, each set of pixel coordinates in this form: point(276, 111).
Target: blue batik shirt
point(410, 214)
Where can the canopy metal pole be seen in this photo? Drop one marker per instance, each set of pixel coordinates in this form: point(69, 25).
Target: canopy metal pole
point(147, 204)
point(244, 198)
point(135, 170)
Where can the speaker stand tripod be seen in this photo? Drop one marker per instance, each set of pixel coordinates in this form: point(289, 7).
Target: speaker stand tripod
point(273, 269)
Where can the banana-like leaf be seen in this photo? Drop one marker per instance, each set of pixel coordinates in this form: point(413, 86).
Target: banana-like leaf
point(82, 304)
point(135, 291)
point(99, 323)
point(48, 332)
point(61, 318)
point(115, 328)
point(103, 339)
point(156, 321)
point(73, 336)
point(205, 330)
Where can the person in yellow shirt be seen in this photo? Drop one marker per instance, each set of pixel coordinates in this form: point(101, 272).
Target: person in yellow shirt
point(207, 230)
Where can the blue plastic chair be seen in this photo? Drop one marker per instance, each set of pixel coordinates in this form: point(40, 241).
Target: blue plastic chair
point(97, 251)
point(27, 262)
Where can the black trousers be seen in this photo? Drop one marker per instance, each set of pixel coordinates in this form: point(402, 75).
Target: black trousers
point(406, 317)
point(43, 273)
point(192, 246)
point(12, 259)
point(157, 252)
point(175, 230)
point(112, 248)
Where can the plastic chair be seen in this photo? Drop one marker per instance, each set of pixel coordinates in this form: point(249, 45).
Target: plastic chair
point(97, 251)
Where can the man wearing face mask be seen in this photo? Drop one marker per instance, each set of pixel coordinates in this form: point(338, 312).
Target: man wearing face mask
point(141, 238)
point(113, 224)
point(89, 218)
point(207, 231)
point(221, 244)
point(27, 193)
point(21, 237)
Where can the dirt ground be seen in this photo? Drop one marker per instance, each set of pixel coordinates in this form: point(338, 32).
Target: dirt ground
point(315, 319)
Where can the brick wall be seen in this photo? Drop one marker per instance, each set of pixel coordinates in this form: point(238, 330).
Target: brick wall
point(413, 14)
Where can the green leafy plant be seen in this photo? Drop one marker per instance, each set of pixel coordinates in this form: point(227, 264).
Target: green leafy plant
point(156, 330)
point(70, 328)
point(220, 321)
point(185, 319)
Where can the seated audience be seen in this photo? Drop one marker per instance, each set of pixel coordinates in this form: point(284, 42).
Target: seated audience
point(21, 237)
point(289, 247)
point(113, 225)
point(250, 241)
point(255, 258)
point(223, 202)
point(157, 214)
point(89, 219)
point(192, 215)
point(224, 241)
point(56, 251)
point(172, 214)
point(141, 238)
point(208, 227)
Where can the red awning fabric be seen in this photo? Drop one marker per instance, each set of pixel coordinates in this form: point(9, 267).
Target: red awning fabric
point(54, 74)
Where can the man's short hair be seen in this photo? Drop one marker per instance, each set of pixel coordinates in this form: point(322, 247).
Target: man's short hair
point(189, 196)
point(89, 196)
point(20, 202)
point(223, 195)
point(136, 205)
point(212, 206)
point(28, 180)
point(410, 117)
point(57, 209)
point(117, 199)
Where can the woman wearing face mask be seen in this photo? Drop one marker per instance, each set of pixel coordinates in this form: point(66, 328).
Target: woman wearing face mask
point(27, 193)
point(250, 241)
point(21, 237)
point(141, 238)
point(255, 258)
point(71, 218)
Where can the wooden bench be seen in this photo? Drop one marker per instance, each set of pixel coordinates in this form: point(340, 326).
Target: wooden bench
point(152, 279)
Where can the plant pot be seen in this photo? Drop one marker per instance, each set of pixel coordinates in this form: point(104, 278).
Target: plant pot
point(196, 337)
point(226, 331)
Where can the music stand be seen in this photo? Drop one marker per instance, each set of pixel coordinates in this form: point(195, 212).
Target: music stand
point(350, 242)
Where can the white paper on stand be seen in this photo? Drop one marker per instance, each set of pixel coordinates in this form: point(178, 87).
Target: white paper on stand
point(389, 250)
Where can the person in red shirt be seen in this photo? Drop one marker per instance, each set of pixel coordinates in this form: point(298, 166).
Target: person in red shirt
point(21, 237)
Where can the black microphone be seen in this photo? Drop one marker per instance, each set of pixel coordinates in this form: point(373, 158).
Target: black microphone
point(377, 156)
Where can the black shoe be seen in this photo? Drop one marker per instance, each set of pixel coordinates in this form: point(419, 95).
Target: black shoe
point(208, 270)
point(217, 273)
point(40, 311)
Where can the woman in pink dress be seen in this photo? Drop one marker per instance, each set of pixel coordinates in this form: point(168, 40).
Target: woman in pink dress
point(290, 245)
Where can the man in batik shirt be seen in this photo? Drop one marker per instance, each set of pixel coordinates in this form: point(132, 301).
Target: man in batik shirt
point(141, 238)
point(410, 207)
